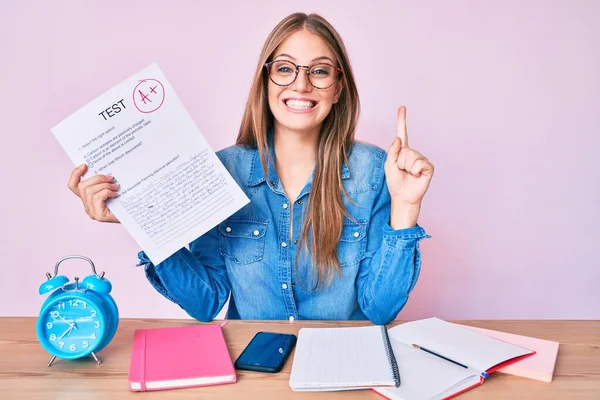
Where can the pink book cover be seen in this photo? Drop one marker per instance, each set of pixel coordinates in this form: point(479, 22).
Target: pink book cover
point(179, 357)
point(539, 366)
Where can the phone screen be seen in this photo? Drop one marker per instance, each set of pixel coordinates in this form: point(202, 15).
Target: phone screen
point(267, 350)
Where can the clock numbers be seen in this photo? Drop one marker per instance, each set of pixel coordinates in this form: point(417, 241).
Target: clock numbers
point(77, 303)
point(72, 326)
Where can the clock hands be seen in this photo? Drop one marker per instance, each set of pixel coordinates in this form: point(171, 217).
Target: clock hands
point(71, 323)
point(68, 322)
point(61, 317)
point(71, 326)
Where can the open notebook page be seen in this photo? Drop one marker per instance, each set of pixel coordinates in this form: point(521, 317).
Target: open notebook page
point(539, 366)
point(460, 344)
point(340, 358)
point(425, 376)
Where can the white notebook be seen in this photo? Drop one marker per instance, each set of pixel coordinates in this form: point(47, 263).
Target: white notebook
point(343, 359)
point(427, 376)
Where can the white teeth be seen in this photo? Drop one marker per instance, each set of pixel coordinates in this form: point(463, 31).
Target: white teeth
point(300, 104)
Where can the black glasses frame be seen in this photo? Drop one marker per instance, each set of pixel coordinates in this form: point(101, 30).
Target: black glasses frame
point(307, 68)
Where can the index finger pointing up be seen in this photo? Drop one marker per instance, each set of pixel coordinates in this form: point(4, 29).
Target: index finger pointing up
point(401, 126)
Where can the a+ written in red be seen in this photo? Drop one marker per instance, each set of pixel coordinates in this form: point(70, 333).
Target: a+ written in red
point(148, 95)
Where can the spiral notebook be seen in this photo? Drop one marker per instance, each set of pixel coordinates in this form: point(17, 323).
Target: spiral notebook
point(343, 359)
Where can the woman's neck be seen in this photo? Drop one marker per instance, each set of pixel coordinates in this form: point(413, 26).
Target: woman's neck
point(295, 148)
point(295, 157)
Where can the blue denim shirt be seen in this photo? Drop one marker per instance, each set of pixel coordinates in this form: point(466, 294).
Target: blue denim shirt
point(251, 256)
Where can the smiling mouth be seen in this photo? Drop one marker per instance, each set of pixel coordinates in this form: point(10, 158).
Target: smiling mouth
point(300, 104)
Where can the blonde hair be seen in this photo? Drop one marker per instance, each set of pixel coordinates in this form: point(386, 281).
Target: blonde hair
point(326, 211)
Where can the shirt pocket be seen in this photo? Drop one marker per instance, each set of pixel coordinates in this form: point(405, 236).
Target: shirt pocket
point(243, 240)
point(353, 242)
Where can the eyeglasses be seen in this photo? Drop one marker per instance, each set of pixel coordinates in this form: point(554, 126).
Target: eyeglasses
point(284, 73)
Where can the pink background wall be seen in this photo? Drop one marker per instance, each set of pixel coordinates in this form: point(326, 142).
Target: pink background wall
point(502, 96)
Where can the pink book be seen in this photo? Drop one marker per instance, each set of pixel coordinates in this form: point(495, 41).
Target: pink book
point(179, 357)
point(539, 366)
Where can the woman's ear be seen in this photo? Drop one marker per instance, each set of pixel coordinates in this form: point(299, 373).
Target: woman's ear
point(339, 86)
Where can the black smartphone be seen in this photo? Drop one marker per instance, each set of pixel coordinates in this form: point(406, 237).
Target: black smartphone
point(266, 352)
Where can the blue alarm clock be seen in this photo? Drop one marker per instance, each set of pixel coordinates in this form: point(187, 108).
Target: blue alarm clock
point(77, 319)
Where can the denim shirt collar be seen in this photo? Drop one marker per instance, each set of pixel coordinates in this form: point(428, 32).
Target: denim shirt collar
point(257, 175)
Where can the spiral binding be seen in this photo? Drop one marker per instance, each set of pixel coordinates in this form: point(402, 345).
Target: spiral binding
point(389, 352)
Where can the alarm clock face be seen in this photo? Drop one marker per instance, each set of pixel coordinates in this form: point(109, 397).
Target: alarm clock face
point(71, 327)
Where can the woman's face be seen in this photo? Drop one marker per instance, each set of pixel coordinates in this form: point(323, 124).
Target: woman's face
point(300, 107)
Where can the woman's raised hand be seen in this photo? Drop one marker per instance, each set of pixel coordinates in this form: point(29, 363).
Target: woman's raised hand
point(407, 172)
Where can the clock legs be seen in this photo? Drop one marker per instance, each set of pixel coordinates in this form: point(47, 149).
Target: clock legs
point(51, 360)
point(98, 361)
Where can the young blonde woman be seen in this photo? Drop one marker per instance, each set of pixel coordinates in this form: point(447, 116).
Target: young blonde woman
point(331, 230)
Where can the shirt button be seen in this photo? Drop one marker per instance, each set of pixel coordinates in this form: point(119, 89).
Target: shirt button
point(356, 234)
point(285, 205)
point(291, 318)
point(296, 241)
point(299, 202)
point(284, 286)
point(283, 244)
point(228, 229)
point(256, 233)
